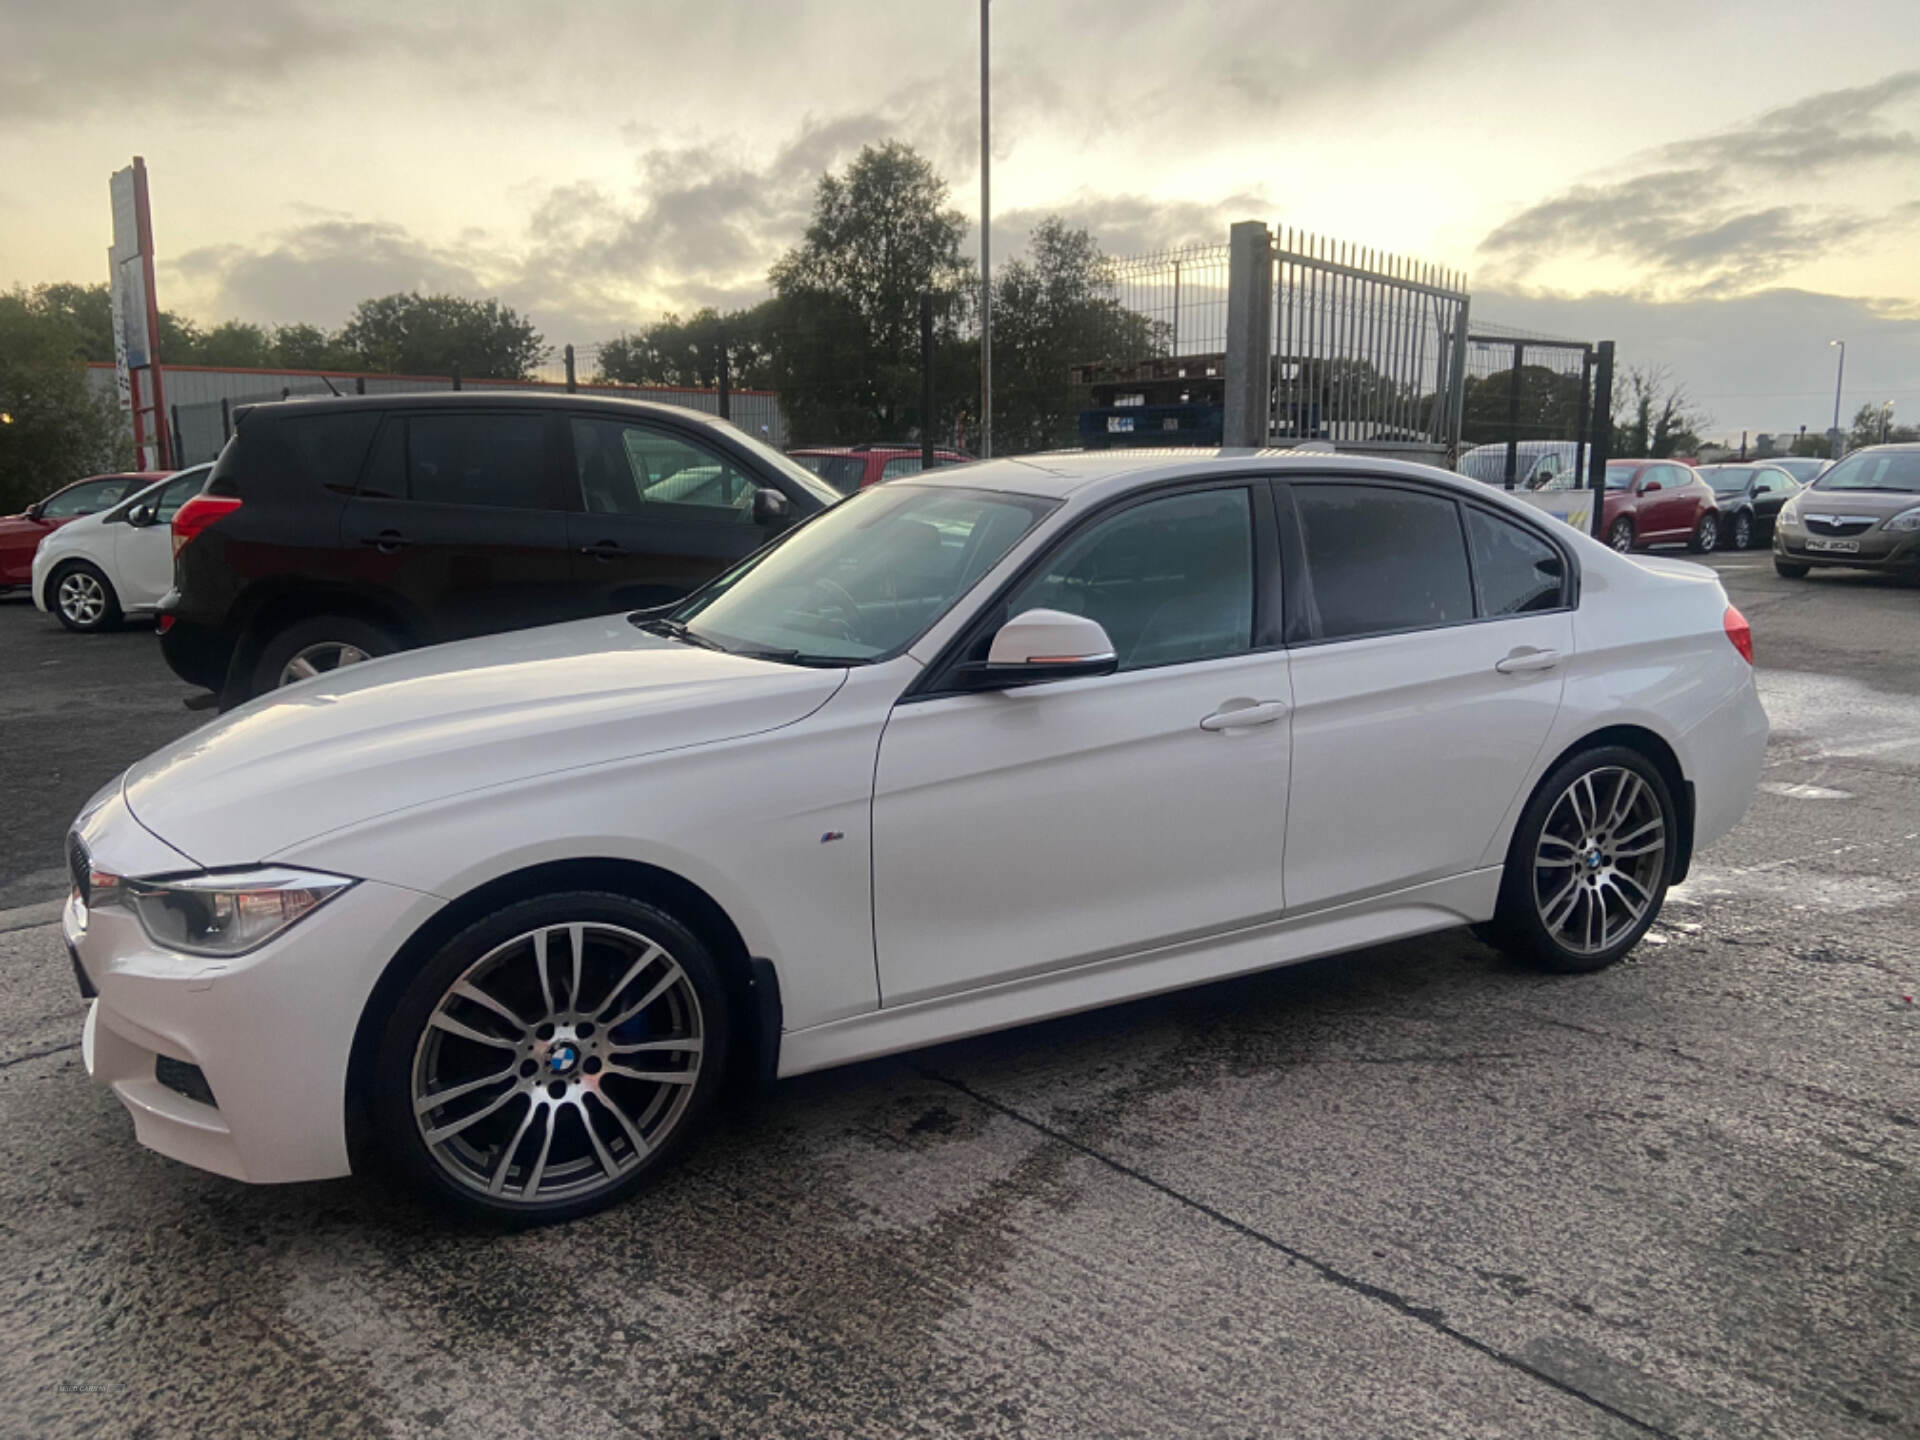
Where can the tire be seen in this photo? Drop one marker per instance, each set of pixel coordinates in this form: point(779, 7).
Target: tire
point(82, 598)
point(322, 644)
point(1706, 535)
point(1787, 570)
point(1743, 531)
point(1587, 920)
point(1620, 535)
point(557, 1133)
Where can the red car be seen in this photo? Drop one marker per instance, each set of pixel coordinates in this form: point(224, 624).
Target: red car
point(20, 535)
point(1655, 502)
point(854, 467)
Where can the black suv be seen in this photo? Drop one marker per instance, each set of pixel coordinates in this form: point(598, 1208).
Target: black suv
point(334, 530)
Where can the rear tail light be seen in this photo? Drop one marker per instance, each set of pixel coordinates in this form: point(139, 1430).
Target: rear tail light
point(1739, 632)
point(197, 514)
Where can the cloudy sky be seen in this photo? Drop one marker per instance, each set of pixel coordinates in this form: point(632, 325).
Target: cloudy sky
point(1719, 187)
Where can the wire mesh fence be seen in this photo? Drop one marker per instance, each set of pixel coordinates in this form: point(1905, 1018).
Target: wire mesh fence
point(1367, 347)
point(1526, 409)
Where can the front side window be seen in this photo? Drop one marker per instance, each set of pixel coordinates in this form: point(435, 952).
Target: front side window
point(634, 469)
point(900, 465)
point(1380, 560)
point(1619, 477)
point(495, 460)
point(85, 499)
point(864, 579)
point(1170, 580)
point(176, 493)
point(1514, 570)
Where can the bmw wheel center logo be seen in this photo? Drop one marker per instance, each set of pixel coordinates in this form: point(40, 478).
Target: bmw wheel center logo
point(563, 1057)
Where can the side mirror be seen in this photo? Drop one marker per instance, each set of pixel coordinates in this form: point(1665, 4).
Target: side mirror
point(1040, 645)
point(770, 507)
point(141, 515)
point(1649, 487)
point(33, 511)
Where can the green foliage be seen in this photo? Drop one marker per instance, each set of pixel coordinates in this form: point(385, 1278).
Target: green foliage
point(414, 334)
point(1053, 311)
point(1870, 427)
point(1653, 416)
point(687, 352)
point(56, 429)
point(843, 331)
point(308, 347)
point(1549, 406)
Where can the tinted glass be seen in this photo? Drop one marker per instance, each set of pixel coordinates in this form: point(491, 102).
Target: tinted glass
point(323, 449)
point(1514, 570)
point(1171, 581)
point(1896, 470)
point(1381, 560)
point(476, 460)
point(635, 470)
point(85, 499)
point(865, 578)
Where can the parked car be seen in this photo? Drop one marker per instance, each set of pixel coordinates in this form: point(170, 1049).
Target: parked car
point(854, 467)
point(334, 530)
point(1654, 502)
point(1863, 513)
point(20, 535)
point(1803, 468)
point(1538, 464)
point(114, 563)
point(1749, 498)
point(965, 751)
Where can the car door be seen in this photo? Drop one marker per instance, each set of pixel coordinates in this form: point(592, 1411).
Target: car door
point(143, 553)
point(1771, 489)
point(458, 518)
point(661, 513)
point(1021, 831)
point(1677, 504)
point(1429, 638)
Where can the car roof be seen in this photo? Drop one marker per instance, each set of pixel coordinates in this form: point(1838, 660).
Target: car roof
point(1091, 474)
point(480, 399)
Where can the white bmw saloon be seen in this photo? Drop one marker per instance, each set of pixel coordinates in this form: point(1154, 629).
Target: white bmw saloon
point(1001, 742)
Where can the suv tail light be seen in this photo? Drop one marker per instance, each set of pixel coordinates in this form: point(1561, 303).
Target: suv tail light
point(197, 514)
point(1739, 632)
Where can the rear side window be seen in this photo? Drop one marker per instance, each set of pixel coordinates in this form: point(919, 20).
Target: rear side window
point(1514, 570)
point(497, 460)
point(323, 450)
point(1381, 560)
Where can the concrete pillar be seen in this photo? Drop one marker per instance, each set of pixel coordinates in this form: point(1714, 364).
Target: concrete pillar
point(1249, 361)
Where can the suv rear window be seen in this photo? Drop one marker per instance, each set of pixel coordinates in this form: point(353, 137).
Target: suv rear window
point(269, 453)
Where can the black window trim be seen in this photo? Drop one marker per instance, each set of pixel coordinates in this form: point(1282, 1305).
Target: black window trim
point(933, 683)
point(1294, 564)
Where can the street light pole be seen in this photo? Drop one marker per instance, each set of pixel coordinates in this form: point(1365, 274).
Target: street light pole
point(1838, 380)
point(986, 256)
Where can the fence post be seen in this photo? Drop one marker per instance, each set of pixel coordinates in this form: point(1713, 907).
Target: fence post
point(173, 451)
point(359, 384)
point(456, 377)
point(1580, 437)
point(226, 419)
point(926, 380)
point(571, 386)
point(1457, 400)
point(1602, 431)
point(1249, 399)
point(1513, 415)
point(725, 397)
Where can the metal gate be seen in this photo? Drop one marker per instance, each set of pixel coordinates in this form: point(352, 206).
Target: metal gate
point(1535, 419)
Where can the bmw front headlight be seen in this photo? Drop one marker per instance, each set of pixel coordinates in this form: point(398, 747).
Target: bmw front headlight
point(222, 913)
point(1906, 522)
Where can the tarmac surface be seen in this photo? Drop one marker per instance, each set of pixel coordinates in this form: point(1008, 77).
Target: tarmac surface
point(1411, 1191)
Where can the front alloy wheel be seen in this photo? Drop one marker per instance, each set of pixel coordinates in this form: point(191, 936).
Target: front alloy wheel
point(1706, 535)
point(83, 599)
point(548, 1073)
point(1743, 531)
point(1620, 535)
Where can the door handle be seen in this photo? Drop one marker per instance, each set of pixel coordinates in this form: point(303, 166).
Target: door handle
point(604, 549)
point(1241, 714)
point(1524, 658)
point(386, 542)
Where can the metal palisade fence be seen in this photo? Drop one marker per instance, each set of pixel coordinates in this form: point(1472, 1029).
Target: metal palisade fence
point(1368, 349)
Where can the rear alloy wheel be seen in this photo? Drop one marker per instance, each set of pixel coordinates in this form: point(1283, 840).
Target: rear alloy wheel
point(317, 647)
point(1706, 535)
point(1589, 864)
point(552, 1057)
point(1620, 535)
point(1743, 531)
point(82, 598)
point(1787, 570)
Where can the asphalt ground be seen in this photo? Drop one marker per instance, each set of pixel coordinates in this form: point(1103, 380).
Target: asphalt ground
point(1411, 1191)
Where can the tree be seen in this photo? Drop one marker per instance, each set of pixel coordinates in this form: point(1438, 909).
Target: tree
point(1054, 310)
point(87, 308)
point(843, 335)
point(1549, 406)
point(672, 351)
point(416, 334)
point(1661, 421)
point(308, 347)
point(1867, 428)
point(55, 427)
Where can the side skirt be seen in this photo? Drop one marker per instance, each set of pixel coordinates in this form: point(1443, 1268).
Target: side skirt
point(1436, 905)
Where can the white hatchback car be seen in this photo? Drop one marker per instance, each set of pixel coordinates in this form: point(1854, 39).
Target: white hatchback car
point(1000, 742)
point(93, 572)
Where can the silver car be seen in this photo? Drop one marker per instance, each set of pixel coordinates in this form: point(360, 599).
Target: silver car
point(1863, 513)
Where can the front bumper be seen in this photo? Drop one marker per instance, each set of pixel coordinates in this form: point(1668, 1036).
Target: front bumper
point(1879, 550)
point(271, 1032)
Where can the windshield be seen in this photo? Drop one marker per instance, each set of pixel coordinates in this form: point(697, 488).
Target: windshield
point(1619, 477)
point(1801, 469)
point(1896, 470)
point(865, 579)
point(1726, 479)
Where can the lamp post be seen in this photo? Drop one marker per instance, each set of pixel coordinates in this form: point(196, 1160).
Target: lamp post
point(1838, 380)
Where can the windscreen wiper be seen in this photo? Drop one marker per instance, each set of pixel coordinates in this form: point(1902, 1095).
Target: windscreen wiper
point(799, 657)
point(674, 630)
